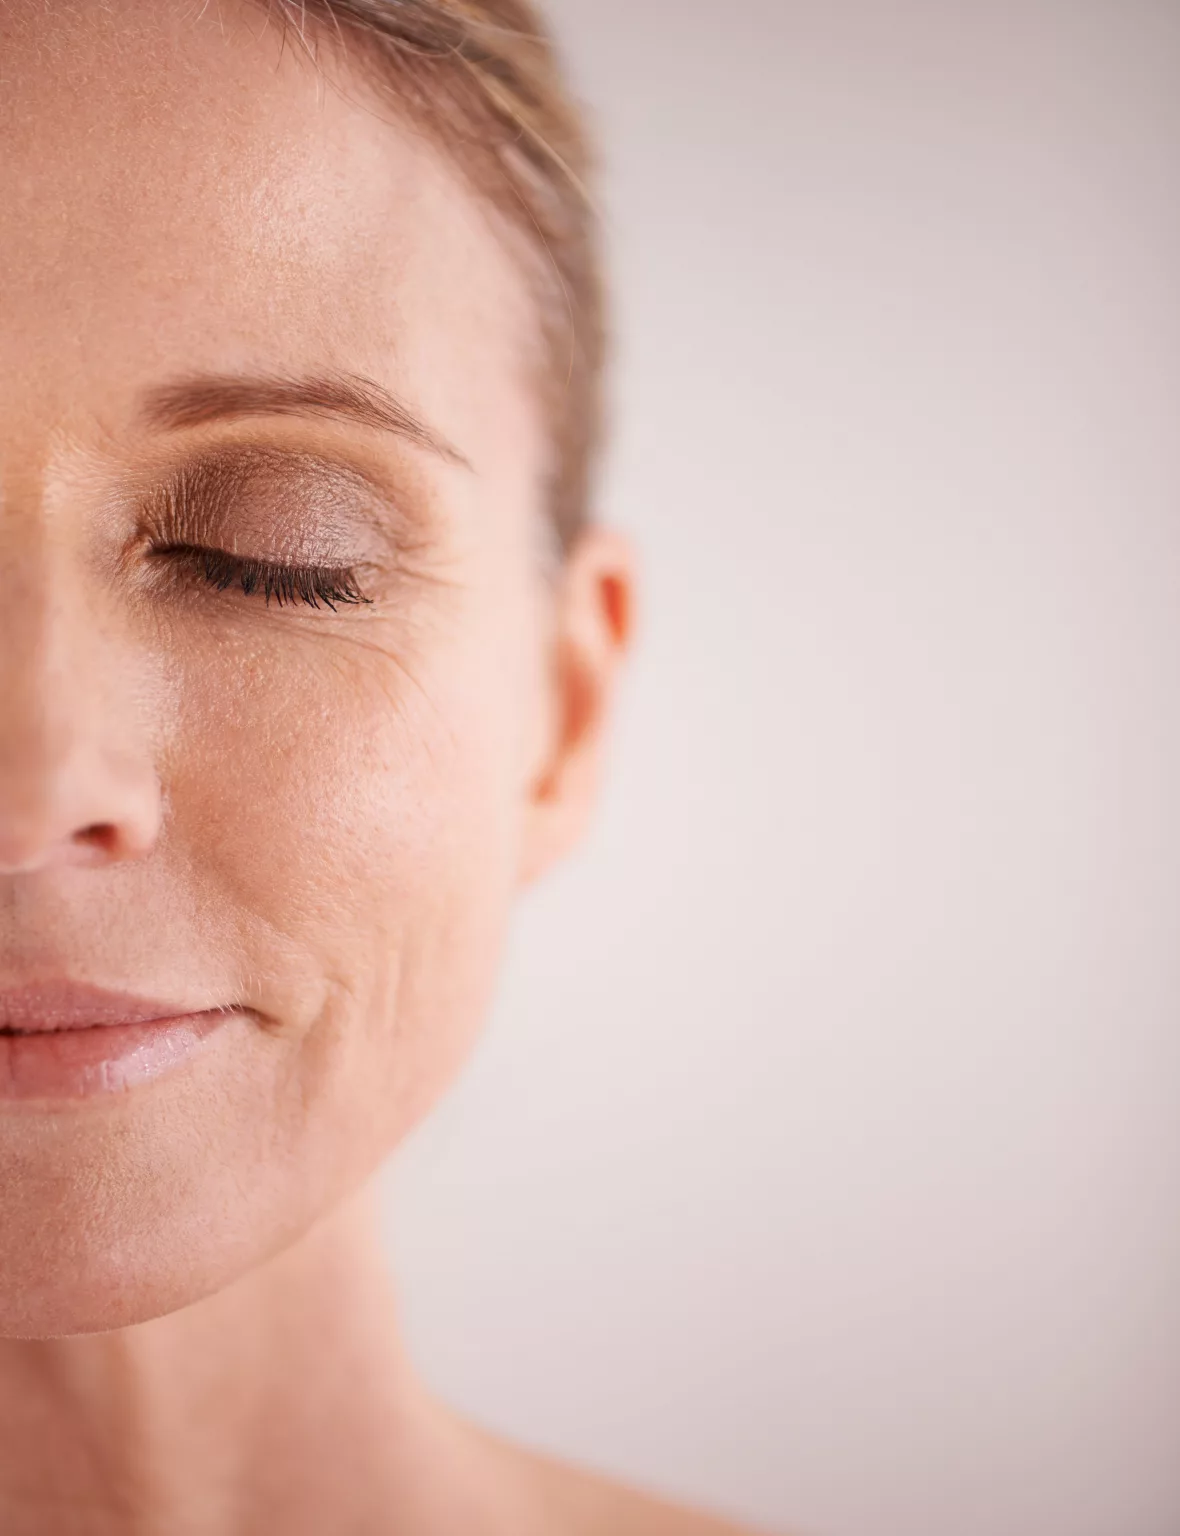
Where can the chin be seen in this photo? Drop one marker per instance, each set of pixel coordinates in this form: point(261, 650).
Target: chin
point(114, 1214)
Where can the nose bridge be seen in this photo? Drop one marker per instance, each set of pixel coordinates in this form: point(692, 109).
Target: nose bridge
point(48, 671)
point(77, 784)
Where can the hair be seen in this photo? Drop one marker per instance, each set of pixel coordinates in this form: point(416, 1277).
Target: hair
point(483, 79)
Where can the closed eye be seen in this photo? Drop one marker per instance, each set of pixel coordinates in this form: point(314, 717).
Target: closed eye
point(286, 585)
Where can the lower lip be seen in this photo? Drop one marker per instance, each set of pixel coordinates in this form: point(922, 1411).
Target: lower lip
point(106, 1058)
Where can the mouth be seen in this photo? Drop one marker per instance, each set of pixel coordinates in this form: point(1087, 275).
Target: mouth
point(62, 1040)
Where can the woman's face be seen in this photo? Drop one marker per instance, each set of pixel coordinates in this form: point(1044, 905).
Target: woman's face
point(311, 815)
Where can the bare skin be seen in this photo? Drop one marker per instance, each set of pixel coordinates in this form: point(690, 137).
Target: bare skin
point(244, 312)
point(282, 1404)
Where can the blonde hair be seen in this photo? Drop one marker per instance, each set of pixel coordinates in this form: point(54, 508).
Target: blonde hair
point(483, 78)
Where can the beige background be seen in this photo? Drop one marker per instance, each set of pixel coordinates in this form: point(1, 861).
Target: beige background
point(822, 1161)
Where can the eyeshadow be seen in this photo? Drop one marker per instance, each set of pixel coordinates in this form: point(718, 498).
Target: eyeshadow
point(267, 501)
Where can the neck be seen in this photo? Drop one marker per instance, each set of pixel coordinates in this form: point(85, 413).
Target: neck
point(282, 1404)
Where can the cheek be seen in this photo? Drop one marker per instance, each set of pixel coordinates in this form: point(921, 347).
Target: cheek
point(353, 818)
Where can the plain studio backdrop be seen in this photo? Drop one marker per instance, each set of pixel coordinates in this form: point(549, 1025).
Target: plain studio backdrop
point(822, 1159)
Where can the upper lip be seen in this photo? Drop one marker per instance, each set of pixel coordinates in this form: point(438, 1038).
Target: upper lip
point(46, 1006)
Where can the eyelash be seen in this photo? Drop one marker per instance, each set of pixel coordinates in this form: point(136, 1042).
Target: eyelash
point(315, 586)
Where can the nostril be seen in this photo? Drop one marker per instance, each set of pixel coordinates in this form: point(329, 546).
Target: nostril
point(114, 841)
point(99, 843)
point(101, 836)
point(28, 850)
point(77, 806)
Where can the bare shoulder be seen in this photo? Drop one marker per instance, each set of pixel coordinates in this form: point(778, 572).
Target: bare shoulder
point(573, 1502)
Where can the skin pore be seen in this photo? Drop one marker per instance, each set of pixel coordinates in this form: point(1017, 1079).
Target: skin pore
point(293, 703)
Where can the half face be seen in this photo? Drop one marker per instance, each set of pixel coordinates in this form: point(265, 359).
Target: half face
point(289, 701)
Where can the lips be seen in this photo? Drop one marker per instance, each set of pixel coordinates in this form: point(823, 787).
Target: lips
point(51, 1006)
point(62, 1039)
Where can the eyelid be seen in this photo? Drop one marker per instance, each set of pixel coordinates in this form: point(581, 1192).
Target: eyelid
point(296, 497)
point(287, 506)
point(384, 499)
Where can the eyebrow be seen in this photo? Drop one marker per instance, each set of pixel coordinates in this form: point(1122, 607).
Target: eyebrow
point(205, 398)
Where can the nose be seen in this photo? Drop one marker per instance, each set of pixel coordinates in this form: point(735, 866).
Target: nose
point(77, 783)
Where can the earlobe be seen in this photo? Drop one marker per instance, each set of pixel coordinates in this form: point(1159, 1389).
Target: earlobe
point(592, 632)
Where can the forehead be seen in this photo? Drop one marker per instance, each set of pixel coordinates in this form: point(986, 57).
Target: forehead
point(183, 190)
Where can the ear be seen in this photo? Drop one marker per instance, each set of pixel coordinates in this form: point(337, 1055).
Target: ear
point(590, 633)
